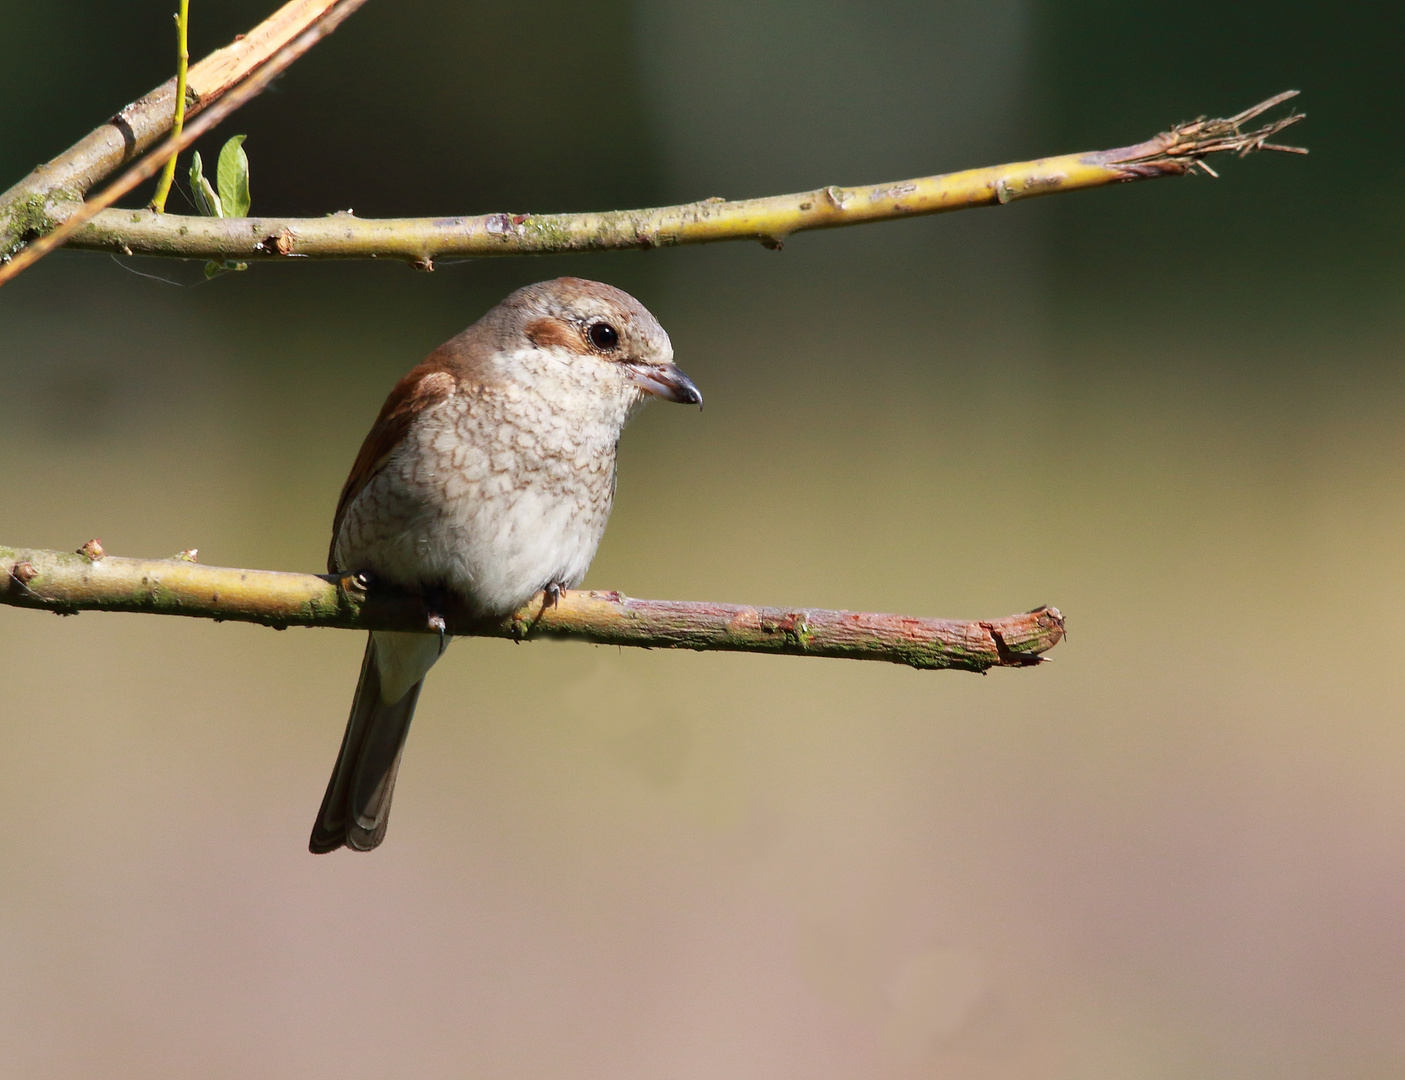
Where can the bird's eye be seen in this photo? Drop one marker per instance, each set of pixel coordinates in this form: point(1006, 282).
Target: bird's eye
point(604, 336)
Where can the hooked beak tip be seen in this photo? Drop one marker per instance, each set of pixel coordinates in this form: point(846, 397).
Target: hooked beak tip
point(668, 382)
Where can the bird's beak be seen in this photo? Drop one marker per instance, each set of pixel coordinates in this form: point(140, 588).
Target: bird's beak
point(667, 382)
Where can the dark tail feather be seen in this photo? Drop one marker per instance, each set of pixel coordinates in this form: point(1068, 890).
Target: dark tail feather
point(356, 808)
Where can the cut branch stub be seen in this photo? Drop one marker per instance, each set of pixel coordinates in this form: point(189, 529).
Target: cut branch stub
point(67, 583)
point(1177, 151)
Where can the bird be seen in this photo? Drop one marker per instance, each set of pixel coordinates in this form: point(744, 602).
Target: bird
point(486, 478)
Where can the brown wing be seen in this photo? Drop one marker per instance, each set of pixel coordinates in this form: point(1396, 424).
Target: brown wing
point(424, 386)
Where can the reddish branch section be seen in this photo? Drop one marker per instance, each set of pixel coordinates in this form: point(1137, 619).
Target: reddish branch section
point(609, 617)
point(91, 580)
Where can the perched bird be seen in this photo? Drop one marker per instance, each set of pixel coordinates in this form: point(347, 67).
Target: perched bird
point(488, 476)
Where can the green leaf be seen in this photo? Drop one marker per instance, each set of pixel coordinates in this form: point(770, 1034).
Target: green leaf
point(214, 268)
point(206, 201)
point(233, 173)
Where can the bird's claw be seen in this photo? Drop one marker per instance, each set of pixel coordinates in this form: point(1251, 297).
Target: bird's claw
point(551, 596)
point(434, 619)
point(355, 586)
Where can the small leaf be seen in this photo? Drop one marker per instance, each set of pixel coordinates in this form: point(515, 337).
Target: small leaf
point(233, 173)
point(214, 268)
point(206, 201)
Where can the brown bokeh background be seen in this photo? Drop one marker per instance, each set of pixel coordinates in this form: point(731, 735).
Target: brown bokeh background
point(1172, 409)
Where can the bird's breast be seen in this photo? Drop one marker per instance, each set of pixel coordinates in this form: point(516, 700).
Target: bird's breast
point(491, 496)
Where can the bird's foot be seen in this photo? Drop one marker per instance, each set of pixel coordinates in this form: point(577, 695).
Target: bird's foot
point(434, 618)
point(355, 586)
point(551, 596)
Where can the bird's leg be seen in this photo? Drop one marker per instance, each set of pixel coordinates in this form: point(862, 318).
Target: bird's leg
point(433, 609)
point(551, 594)
point(354, 585)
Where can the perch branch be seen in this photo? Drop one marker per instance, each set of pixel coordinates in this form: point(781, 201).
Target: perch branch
point(148, 166)
point(769, 220)
point(91, 580)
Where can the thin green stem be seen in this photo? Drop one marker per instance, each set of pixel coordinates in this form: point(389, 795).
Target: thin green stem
point(168, 174)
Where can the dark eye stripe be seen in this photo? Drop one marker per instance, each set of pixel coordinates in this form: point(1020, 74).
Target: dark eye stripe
point(604, 336)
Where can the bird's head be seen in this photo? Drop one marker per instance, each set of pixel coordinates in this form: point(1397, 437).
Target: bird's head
point(595, 337)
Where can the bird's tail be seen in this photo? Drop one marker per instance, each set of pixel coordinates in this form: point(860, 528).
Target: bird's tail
point(356, 808)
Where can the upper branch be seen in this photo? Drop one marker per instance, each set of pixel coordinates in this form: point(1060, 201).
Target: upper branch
point(90, 580)
point(769, 220)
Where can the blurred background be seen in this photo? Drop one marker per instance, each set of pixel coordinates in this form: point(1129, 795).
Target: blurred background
point(1173, 409)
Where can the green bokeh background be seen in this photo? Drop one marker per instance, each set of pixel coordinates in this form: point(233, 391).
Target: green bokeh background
point(1173, 409)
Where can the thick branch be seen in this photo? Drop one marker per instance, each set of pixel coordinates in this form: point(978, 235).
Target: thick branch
point(92, 581)
point(769, 220)
point(24, 209)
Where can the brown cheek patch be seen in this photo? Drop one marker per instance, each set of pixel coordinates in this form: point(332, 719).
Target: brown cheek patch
point(546, 332)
